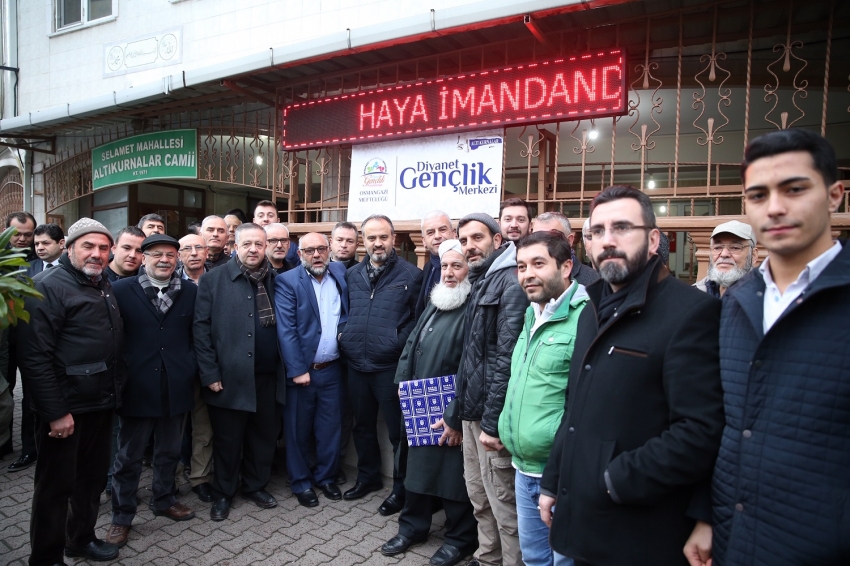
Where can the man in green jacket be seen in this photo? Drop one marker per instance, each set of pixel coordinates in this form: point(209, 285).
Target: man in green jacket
point(534, 404)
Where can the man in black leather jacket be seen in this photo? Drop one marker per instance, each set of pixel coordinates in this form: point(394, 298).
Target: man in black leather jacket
point(494, 318)
point(70, 358)
point(382, 291)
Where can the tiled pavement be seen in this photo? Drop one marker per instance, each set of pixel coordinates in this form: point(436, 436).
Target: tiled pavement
point(340, 533)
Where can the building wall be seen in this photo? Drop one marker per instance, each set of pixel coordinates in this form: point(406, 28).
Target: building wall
point(68, 65)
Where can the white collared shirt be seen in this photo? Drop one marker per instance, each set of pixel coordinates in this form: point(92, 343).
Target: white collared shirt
point(775, 302)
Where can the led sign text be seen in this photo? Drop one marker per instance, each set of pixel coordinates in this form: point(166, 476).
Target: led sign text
point(572, 88)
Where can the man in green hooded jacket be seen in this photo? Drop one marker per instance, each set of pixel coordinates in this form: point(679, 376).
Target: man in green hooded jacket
point(540, 366)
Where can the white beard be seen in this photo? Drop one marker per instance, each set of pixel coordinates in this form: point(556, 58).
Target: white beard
point(450, 298)
point(726, 278)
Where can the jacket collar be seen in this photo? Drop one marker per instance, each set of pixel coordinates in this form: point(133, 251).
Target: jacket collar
point(81, 277)
point(652, 275)
point(748, 292)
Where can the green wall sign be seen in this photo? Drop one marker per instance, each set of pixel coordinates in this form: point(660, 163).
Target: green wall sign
point(171, 154)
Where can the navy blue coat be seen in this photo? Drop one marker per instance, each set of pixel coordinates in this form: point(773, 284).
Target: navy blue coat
point(154, 342)
point(380, 320)
point(299, 326)
point(782, 480)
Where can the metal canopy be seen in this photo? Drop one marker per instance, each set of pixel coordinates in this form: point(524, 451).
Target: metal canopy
point(571, 28)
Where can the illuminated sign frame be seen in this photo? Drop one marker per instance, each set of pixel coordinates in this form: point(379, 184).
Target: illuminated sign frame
point(572, 88)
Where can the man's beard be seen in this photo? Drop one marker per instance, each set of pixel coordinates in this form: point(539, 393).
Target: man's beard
point(314, 271)
point(616, 274)
point(450, 298)
point(379, 256)
point(90, 267)
point(476, 261)
point(726, 278)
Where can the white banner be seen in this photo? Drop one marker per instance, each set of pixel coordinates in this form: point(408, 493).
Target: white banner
point(406, 179)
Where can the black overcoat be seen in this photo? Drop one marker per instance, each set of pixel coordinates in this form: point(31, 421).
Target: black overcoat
point(224, 338)
point(154, 342)
point(645, 405)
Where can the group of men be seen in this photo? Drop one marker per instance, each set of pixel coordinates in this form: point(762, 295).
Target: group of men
point(602, 414)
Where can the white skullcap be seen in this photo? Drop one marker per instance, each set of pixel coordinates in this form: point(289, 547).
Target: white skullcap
point(450, 246)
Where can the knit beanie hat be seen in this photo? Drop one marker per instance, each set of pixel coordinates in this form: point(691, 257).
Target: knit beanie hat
point(85, 226)
point(483, 218)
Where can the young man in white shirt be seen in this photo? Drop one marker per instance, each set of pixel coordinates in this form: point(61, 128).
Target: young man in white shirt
point(781, 489)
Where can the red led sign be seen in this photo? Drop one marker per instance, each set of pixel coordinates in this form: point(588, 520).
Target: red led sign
point(572, 88)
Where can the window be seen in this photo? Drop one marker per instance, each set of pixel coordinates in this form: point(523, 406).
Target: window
point(77, 12)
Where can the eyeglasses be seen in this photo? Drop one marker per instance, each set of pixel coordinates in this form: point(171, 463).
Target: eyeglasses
point(189, 249)
point(618, 230)
point(310, 251)
point(276, 241)
point(158, 255)
point(717, 249)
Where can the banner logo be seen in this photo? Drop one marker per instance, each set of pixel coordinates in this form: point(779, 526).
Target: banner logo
point(375, 172)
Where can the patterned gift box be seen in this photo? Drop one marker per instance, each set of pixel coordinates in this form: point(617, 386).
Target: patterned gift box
point(422, 404)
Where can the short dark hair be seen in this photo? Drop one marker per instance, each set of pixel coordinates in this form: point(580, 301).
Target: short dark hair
point(152, 217)
point(22, 217)
point(556, 244)
point(130, 231)
point(378, 217)
point(194, 228)
point(265, 203)
point(617, 192)
point(345, 226)
point(794, 139)
point(513, 201)
point(53, 231)
point(238, 213)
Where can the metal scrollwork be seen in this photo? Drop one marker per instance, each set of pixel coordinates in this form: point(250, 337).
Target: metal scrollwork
point(645, 71)
point(583, 146)
point(786, 51)
point(530, 152)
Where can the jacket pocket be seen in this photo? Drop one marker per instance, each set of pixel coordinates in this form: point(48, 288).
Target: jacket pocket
point(503, 476)
point(85, 380)
point(552, 354)
point(627, 352)
point(606, 454)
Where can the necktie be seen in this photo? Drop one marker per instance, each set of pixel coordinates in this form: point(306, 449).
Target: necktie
point(48, 265)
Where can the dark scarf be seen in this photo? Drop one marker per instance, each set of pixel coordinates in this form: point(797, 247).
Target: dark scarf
point(712, 288)
point(610, 301)
point(475, 273)
point(375, 273)
point(264, 306)
point(162, 301)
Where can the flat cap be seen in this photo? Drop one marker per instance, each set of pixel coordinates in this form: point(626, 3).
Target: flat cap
point(156, 239)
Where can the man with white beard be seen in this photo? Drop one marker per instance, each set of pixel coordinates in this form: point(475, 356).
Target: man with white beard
point(435, 473)
point(733, 253)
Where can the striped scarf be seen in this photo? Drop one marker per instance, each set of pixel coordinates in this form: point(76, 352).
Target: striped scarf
point(162, 301)
point(264, 306)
